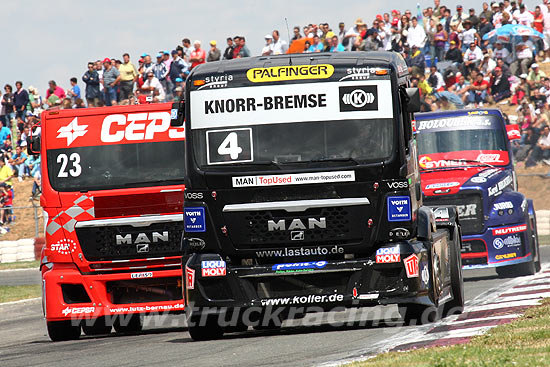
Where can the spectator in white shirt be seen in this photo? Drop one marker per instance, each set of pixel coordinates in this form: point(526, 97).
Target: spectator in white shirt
point(268, 48)
point(522, 16)
point(524, 57)
point(279, 46)
point(153, 87)
point(417, 35)
point(500, 52)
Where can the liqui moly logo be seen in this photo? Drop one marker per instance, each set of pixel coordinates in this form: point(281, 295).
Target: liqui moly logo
point(213, 268)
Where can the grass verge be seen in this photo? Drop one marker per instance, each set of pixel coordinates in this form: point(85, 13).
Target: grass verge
point(9, 293)
point(20, 265)
point(524, 342)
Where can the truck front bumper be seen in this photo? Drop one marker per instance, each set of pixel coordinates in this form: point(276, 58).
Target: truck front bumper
point(68, 294)
point(322, 284)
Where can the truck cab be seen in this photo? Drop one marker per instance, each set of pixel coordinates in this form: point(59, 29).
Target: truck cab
point(303, 190)
point(466, 160)
point(112, 193)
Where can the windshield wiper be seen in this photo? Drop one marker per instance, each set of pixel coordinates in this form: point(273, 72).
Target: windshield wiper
point(458, 167)
point(181, 179)
point(258, 163)
point(339, 159)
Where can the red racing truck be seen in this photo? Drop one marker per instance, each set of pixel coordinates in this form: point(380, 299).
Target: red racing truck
point(112, 194)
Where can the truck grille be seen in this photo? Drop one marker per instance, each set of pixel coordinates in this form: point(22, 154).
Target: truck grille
point(249, 230)
point(470, 209)
point(100, 243)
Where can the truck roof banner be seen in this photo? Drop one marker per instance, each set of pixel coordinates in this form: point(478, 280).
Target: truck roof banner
point(291, 103)
point(106, 129)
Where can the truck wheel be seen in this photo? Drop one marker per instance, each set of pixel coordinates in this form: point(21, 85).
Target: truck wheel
point(535, 242)
point(96, 326)
point(456, 306)
point(415, 314)
point(63, 330)
point(128, 324)
point(208, 330)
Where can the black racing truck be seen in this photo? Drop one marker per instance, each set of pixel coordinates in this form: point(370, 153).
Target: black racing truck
point(303, 193)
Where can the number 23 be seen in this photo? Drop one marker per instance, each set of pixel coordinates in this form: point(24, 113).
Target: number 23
point(76, 169)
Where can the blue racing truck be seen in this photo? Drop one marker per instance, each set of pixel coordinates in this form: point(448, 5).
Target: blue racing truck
point(466, 160)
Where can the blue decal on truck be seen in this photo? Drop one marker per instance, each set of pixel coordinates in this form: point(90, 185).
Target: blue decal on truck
point(194, 220)
point(399, 208)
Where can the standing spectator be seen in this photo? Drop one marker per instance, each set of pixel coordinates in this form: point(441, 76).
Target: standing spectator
point(279, 45)
point(417, 35)
point(487, 13)
point(91, 78)
point(469, 36)
point(440, 39)
point(214, 54)
point(484, 27)
point(523, 16)
point(197, 56)
point(2, 112)
point(545, 10)
point(147, 64)
point(186, 42)
point(243, 50)
point(20, 101)
point(268, 48)
point(473, 18)
point(111, 78)
point(351, 34)
point(296, 35)
point(161, 73)
point(35, 101)
point(7, 102)
point(458, 18)
point(228, 53)
point(55, 89)
point(74, 91)
point(178, 68)
point(342, 33)
point(128, 76)
point(6, 173)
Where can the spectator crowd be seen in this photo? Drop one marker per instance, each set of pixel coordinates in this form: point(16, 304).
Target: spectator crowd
point(449, 59)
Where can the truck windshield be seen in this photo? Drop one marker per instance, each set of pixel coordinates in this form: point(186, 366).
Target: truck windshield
point(468, 138)
point(274, 144)
point(116, 166)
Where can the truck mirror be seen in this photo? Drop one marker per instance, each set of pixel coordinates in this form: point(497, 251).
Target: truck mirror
point(513, 132)
point(177, 113)
point(33, 144)
point(413, 99)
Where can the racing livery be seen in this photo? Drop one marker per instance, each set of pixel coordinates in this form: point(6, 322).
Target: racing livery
point(303, 189)
point(112, 196)
point(466, 160)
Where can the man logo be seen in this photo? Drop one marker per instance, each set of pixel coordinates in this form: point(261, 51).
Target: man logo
point(358, 98)
point(297, 235)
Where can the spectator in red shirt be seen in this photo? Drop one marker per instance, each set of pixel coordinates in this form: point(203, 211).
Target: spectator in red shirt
point(478, 91)
point(55, 89)
point(198, 55)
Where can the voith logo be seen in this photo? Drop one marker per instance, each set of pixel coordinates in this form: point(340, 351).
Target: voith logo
point(72, 131)
point(358, 98)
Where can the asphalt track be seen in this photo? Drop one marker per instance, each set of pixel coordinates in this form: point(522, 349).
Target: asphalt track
point(165, 341)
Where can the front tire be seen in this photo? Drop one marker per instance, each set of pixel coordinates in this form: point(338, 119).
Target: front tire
point(63, 330)
point(456, 305)
point(128, 324)
point(209, 330)
point(96, 327)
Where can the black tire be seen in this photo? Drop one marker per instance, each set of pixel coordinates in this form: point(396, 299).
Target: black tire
point(96, 326)
point(415, 314)
point(456, 305)
point(128, 324)
point(535, 242)
point(63, 330)
point(209, 330)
